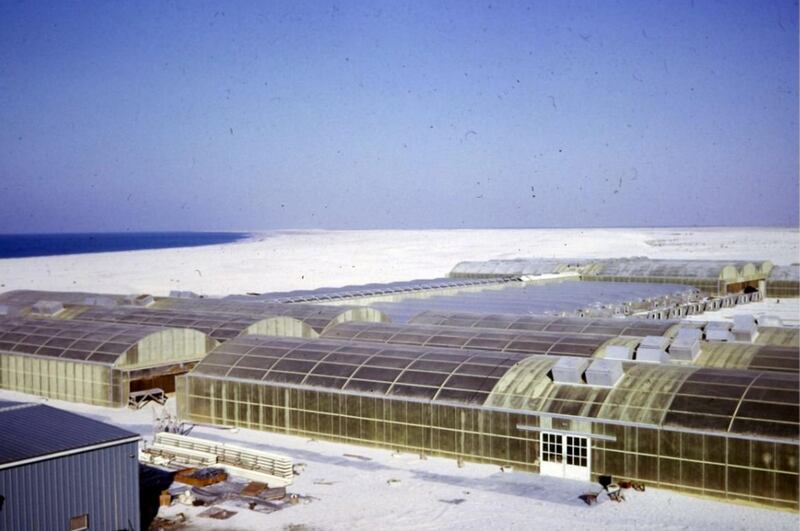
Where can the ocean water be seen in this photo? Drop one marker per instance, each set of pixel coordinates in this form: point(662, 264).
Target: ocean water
point(24, 245)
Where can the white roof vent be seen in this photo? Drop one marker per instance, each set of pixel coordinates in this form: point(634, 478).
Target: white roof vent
point(653, 349)
point(652, 356)
point(7, 310)
point(47, 308)
point(770, 320)
point(719, 331)
point(139, 300)
point(659, 342)
point(686, 345)
point(744, 328)
point(619, 352)
point(176, 294)
point(569, 370)
point(100, 300)
point(604, 372)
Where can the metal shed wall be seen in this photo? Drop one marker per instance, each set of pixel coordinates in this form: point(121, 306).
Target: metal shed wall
point(103, 483)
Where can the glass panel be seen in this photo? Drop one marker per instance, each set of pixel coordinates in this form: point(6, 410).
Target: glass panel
point(465, 382)
point(284, 377)
point(294, 365)
point(334, 369)
point(422, 378)
point(363, 385)
point(413, 391)
point(376, 374)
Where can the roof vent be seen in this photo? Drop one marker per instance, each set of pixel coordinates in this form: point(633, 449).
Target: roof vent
point(604, 372)
point(719, 331)
point(744, 328)
point(619, 352)
point(653, 349)
point(176, 294)
point(7, 310)
point(686, 345)
point(99, 300)
point(139, 300)
point(769, 320)
point(569, 370)
point(47, 308)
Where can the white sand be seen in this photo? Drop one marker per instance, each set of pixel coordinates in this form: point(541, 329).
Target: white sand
point(307, 260)
point(788, 310)
point(360, 497)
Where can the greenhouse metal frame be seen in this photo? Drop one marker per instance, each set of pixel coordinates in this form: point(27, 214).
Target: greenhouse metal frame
point(712, 354)
point(729, 434)
point(93, 363)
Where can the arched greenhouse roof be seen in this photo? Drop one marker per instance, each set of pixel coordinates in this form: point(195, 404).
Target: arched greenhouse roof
point(367, 290)
point(741, 402)
point(545, 343)
point(514, 268)
point(220, 326)
point(562, 343)
point(546, 323)
point(633, 267)
point(689, 269)
point(29, 297)
point(318, 316)
point(785, 273)
point(110, 344)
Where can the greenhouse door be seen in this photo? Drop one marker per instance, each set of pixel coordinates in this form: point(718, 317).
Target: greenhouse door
point(565, 456)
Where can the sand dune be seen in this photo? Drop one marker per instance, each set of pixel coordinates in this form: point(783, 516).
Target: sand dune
point(281, 261)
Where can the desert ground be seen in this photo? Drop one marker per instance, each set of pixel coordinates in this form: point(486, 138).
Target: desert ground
point(286, 260)
point(378, 489)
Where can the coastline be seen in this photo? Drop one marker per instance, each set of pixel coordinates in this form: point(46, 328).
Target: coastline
point(286, 260)
point(31, 245)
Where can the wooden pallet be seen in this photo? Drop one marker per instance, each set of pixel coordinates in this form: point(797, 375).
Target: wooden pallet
point(187, 476)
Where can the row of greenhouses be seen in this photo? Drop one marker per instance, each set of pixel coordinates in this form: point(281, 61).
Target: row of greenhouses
point(707, 408)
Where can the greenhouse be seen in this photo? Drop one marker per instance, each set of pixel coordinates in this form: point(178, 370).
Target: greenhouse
point(563, 297)
point(24, 298)
point(711, 276)
point(784, 281)
point(730, 434)
point(764, 335)
point(374, 290)
point(317, 316)
point(94, 363)
point(517, 267)
point(219, 326)
point(652, 349)
point(547, 323)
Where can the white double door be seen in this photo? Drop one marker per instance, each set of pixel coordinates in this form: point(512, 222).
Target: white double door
point(565, 456)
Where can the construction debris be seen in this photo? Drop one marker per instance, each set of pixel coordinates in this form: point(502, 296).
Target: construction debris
point(356, 456)
point(217, 513)
point(164, 499)
point(254, 488)
point(160, 523)
point(137, 399)
point(171, 449)
point(615, 493)
point(201, 477)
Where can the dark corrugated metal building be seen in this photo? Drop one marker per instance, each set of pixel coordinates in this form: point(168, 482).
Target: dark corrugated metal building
point(59, 470)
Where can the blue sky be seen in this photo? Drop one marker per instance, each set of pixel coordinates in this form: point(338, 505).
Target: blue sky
point(268, 115)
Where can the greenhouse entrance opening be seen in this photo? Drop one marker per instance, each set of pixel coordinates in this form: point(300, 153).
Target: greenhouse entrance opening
point(565, 456)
